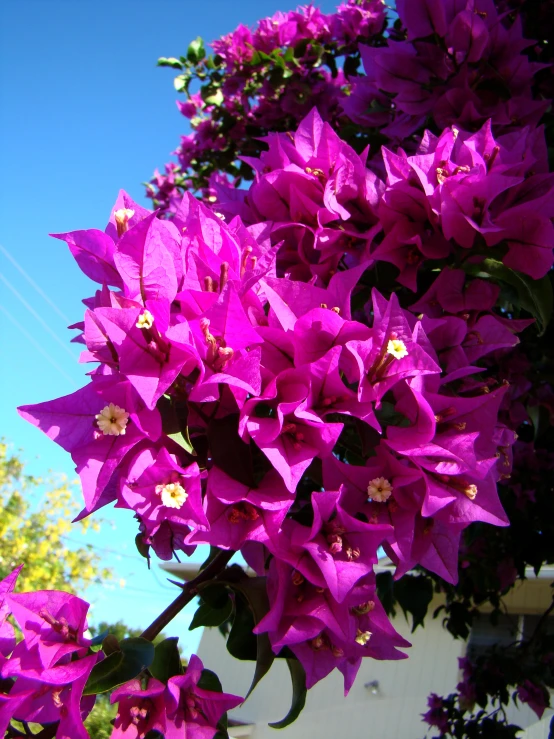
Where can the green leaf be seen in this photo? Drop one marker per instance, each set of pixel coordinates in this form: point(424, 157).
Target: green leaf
point(169, 62)
point(540, 417)
point(210, 681)
point(264, 659)
point(534, 296)
point(183, 439)
point(298, 677)
point(241, 643)
point(229, 452)
point(385, 592)
point(167, 660)
point(388, 416)
point(252, 597)
point(414, 594)
point(174, 422)
point(196, 51)
point(99, 638)
point(181, 82)
point(119, 667)
point(215, 98)
point(142, 548)
point(207, 615)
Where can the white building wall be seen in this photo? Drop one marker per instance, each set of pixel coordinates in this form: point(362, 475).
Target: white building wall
point(395, 713)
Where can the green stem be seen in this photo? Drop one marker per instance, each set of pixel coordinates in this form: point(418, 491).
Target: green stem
point(190, 590)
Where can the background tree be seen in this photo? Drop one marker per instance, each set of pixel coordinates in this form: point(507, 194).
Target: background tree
point(36, 516)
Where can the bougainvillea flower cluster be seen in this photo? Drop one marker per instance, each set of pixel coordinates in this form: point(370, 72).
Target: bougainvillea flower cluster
point(47, 671)
point(314, 369)
point(224, 398)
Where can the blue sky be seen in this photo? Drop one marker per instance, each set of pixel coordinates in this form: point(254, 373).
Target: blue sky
point(84, 112)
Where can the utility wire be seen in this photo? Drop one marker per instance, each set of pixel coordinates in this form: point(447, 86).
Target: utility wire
point(37, 345)
point(30, 280)
point(38, 318)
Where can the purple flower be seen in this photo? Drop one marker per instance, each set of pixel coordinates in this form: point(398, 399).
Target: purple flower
point(535, 695)
point(192, 710)
point(157, 488)
point(98, 425)
point(436, 715)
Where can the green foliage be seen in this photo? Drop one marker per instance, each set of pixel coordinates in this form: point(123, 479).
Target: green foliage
point(533, 296)
point(35, 519)
point(99, 722)
point(299, 691)
point(133, 656)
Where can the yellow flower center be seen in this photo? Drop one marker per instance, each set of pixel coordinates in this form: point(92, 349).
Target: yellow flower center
point(145, 320)
point(173, 494)
point(112, 420)
point(362, 637)
point(471, 491)
point(397, 348)
point(379, 490)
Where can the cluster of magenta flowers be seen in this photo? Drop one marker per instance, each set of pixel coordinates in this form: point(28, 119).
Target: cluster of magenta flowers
point(227, 399)
point(457, 62)
point(316, 369)
point(458, 192)
point(441, 63)
point(48, 670)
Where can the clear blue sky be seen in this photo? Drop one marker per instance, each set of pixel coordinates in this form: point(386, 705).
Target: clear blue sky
point(84, 112)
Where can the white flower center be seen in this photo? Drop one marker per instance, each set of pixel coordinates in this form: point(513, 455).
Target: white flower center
point(471, 491)
point(145, 320)
point(397, 348)
point(173, 494)
point(112, 420)
point(379, 490)
point(122, 217)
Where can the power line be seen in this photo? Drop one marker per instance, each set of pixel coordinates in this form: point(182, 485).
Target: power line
point(37, 346)
point(103, 549)
point(135, 557)
point(30, 280)
point(37, 317)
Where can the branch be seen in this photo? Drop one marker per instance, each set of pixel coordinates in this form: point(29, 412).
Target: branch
point(190, 590)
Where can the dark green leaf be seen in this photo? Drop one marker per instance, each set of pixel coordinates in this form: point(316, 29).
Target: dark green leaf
point(242, 643)
point(264, 660)
point(385, 591)
point(104, 675)
point(167, 660)
point(119, 667)
point(414, 594)
point(207, 615)
point(388, 416)
point(210, 681)
point(298, 677)
point(215, 595)
point(534, 296)
point(142, 547)
point(229, 452)
point(540, 416)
